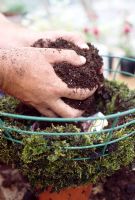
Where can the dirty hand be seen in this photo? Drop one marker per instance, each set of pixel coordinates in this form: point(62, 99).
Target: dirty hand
point(74, 37)
point(28, 74)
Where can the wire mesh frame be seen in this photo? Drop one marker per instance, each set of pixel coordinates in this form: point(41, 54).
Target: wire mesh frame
point(115, 117)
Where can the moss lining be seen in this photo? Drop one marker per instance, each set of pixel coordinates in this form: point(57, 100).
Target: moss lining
point(45, 166)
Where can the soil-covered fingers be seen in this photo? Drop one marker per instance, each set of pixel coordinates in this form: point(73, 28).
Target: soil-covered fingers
point(75, 37)
point(64, 110)
point(56, 55)
point(78, 40)
point(46, 112)
point(79, 94)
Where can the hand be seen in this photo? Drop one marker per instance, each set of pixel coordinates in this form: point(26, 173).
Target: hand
point(31, 78)
point(25, 38)
point(29, 37)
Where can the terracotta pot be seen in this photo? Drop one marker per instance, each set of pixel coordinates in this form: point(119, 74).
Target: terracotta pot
point(76, 193)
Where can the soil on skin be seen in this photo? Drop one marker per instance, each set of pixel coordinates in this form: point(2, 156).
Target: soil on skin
point(119, 186)
point(86, 76)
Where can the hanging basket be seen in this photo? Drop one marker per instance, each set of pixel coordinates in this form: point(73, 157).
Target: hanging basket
point(98, 151)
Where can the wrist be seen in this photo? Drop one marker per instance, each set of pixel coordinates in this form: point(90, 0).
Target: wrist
point(11, 70)
point(3, 68)
point(7, 72)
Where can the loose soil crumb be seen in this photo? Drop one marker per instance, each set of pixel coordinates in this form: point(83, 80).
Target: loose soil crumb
point(86, 76)
point(119, 186)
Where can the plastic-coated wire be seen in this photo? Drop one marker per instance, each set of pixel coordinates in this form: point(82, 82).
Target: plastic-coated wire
point(110, 134)
point(79, 119)
point(2, 126)
point(84, 147)
point(102, 144)
point(89, 158)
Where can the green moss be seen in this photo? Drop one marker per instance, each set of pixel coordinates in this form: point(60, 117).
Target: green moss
point(121, 98)
point(9, 152)
point(46, 166)
point(62, 173)
point(45, 161)
point(8, 104)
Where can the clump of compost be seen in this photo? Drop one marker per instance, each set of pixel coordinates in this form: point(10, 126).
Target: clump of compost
point(87, 76)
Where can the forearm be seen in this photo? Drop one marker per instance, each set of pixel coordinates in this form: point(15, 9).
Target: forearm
point(3, 20)
point(11, 34)
point(5, 31)
point(13, 65)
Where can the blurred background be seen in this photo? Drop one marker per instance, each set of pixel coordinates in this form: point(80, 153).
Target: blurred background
point(110, 25)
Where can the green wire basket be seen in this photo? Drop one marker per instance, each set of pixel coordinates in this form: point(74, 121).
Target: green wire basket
point(109, 131)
